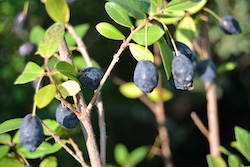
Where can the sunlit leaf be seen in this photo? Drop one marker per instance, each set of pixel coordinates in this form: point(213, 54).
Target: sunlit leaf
point(109, 31)
point(243, 141)
point(140, 52)
point(4, 149)
point(215, 161)
point(132, 7)
point(36, 34)
point(160, 95)
point(120, 153)
point(30, 73)
point(130, 90)
point(50, 161)
point(153, 34)
point(58, 10)
point(10, 162)
point(11, 124)
point(228, 66)
point(186, 31)
point(80, 63)
point(45, 95)
point(69, 88)
point(53, 125)
point(234, 160)
point(166, 56)
point(181, 5)
point(149, 6)
point(137, 155)
point(170, 17)
point(5, 138)
point(197, 7)
point(51, 40)
point(118, 14)
point(81, 31)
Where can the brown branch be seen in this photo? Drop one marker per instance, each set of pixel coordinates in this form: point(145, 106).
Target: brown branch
point(199, 124)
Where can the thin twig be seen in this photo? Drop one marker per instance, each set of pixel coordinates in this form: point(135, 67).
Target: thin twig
point(199, 124)
point(57, 139)
point(76, 148)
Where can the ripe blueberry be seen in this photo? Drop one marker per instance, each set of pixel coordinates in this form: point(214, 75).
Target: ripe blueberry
point(90, 77)
point(229, 25)
point(27, 49)
point(146, 76)
point(31, 132)
point(206, 70)
point(182, 73)
point(21, 21)
point(65, 117)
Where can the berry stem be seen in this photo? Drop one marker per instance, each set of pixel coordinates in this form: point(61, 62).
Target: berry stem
point(26, 7)
point(212, 13)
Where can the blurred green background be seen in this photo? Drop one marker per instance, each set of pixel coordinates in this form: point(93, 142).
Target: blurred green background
point(129, 121)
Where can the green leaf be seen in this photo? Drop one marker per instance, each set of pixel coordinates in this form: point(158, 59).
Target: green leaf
point(4, 149)
point(80, 63)
point(149, 6)
point(118, 14)
point(53, 125)
point(109, 31)
point(215, 161)
point(166, 56)
point(130, 90)
point(121, 154)
point(181, 5)
point(67, 70)
point(234, 161)
point(197, 7)
point(243, 141)
point(36, 34)
point(132, 7)
point(228, 66)
point(170, 17)
point(10, 125)
point(186, 31)
point(51, 40)
point(30, 73)
point(81, 31)
point(50, 161)
point(5, 138)
point(153, 34)
point(44, 149)
point(137, 155)
point(140, 53)
point(160, 95)
point(69, 88)
point(58, 10)
point(10, 162)
point(45, 95)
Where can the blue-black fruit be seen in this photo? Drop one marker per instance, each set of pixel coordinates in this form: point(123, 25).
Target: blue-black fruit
point(65, 117)
point(21, 21)
point(146, 76)
point(27, 49)
point(206, 70)
point(31, 132)
point(182, 73)
point(229, 25)
point(90, 77)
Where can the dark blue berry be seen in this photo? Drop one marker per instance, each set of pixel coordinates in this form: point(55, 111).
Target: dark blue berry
point(21, 21)
point(182, 73)
point(206, 70)
point(90, 77)
point(31, 132)
point(65, 117)
point(27, 49)
point(146, 76)
point(229, 25)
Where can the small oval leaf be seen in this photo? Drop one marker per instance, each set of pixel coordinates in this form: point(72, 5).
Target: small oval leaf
point(118, 14)
point(130, 90)
point(166, 56)
point(50, 161)
point(51, 40)
point(58, 10)
point(140, 53)
point(30, 73)
point(160, 94)
point(181, 5)
point(109, 31)
point(243, 141)
point(5, 138)
point(45, 95)
point(215, 161)
point(121, 153)
point(69, 88)
point(67, 70)
point(36, 34)
point(4, 150)
point(10, 125)
point(153, 34)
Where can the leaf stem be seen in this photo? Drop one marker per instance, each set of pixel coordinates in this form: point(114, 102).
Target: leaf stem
point(212, 13)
